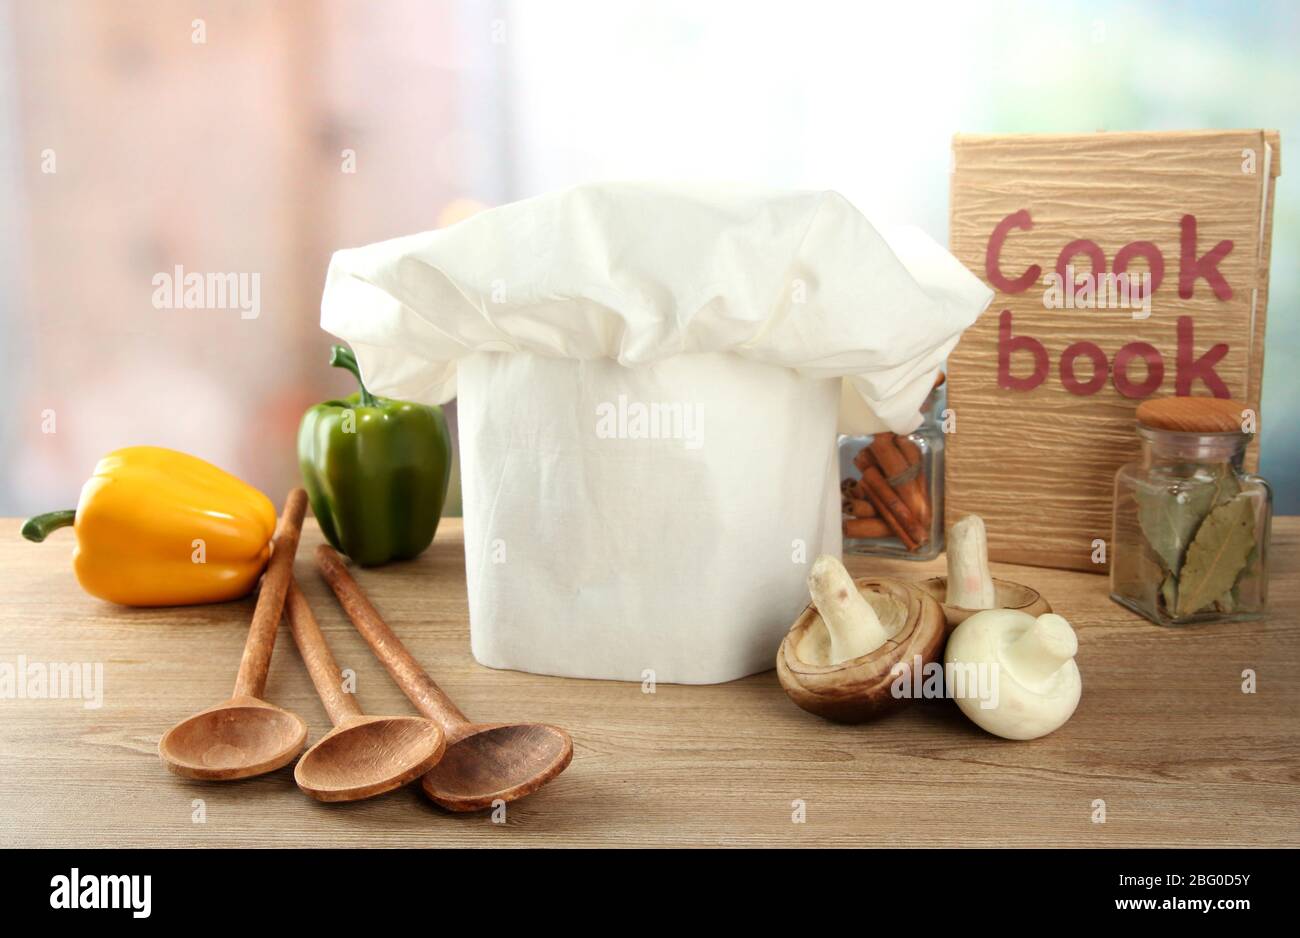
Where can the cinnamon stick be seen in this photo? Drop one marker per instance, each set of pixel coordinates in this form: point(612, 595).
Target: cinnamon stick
point(861, 508)
point(890, 507)
point(865, 461)
point(892, 524)
point(893, 464)
point(865, 527)
point(912, 453)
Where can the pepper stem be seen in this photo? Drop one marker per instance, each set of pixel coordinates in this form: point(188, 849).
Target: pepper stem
point(343, 357)
point(39, 527)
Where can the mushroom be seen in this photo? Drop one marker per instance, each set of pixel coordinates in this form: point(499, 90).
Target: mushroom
point(1012, 673)
point(856, 642)
point(969, 586)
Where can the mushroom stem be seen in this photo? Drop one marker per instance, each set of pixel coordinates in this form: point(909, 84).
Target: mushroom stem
point(853, 625)
point(970, 584)
point(1042, 649)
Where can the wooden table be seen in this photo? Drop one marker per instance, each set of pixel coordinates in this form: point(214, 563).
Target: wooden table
point(1164, 735)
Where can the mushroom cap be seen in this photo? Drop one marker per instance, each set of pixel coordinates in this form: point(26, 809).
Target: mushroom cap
point(1008, 595)
point(860, 689)
point(1022, 708)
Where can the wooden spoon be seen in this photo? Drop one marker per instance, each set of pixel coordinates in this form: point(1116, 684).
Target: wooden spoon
point(362, 756)
point(245, 735)
point(484, 762)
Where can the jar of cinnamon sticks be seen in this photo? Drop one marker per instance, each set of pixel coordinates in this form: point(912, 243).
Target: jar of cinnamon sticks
point(891, 493)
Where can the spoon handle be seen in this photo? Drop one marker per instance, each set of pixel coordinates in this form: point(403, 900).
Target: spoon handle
point(270, 601)
point(316, 654)
point(427, 696)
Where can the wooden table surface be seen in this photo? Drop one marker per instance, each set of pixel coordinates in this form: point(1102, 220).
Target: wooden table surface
point(1164, 735)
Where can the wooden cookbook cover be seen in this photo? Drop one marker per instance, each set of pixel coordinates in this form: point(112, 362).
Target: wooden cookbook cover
point(1044, 387)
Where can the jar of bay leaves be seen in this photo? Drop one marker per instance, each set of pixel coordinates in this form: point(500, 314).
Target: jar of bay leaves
point(1191, 527)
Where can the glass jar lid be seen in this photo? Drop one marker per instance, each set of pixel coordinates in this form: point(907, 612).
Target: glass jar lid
point(1193, 415)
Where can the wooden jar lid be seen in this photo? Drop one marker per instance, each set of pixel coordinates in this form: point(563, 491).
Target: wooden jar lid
point(1192, 414)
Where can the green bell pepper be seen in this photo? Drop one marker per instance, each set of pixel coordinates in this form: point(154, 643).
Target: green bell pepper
point(376, 471)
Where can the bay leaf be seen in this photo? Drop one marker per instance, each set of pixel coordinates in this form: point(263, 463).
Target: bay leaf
point(1217, 554)
point(1170, 519)
point(1226, 488)
point(1169, 593)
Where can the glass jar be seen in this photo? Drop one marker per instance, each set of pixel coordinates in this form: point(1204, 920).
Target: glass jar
point(1191, 529)
point(892, 489)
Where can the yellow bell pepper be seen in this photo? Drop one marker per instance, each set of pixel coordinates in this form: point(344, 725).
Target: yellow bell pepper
point(160, 528)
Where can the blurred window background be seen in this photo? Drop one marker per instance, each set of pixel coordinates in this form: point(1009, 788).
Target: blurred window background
point(248, 137)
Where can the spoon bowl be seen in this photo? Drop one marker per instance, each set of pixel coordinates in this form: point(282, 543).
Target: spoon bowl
point(362, 756)
point(240, 738)
point(484, 762)
point(367, 756)
point(491, 762)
